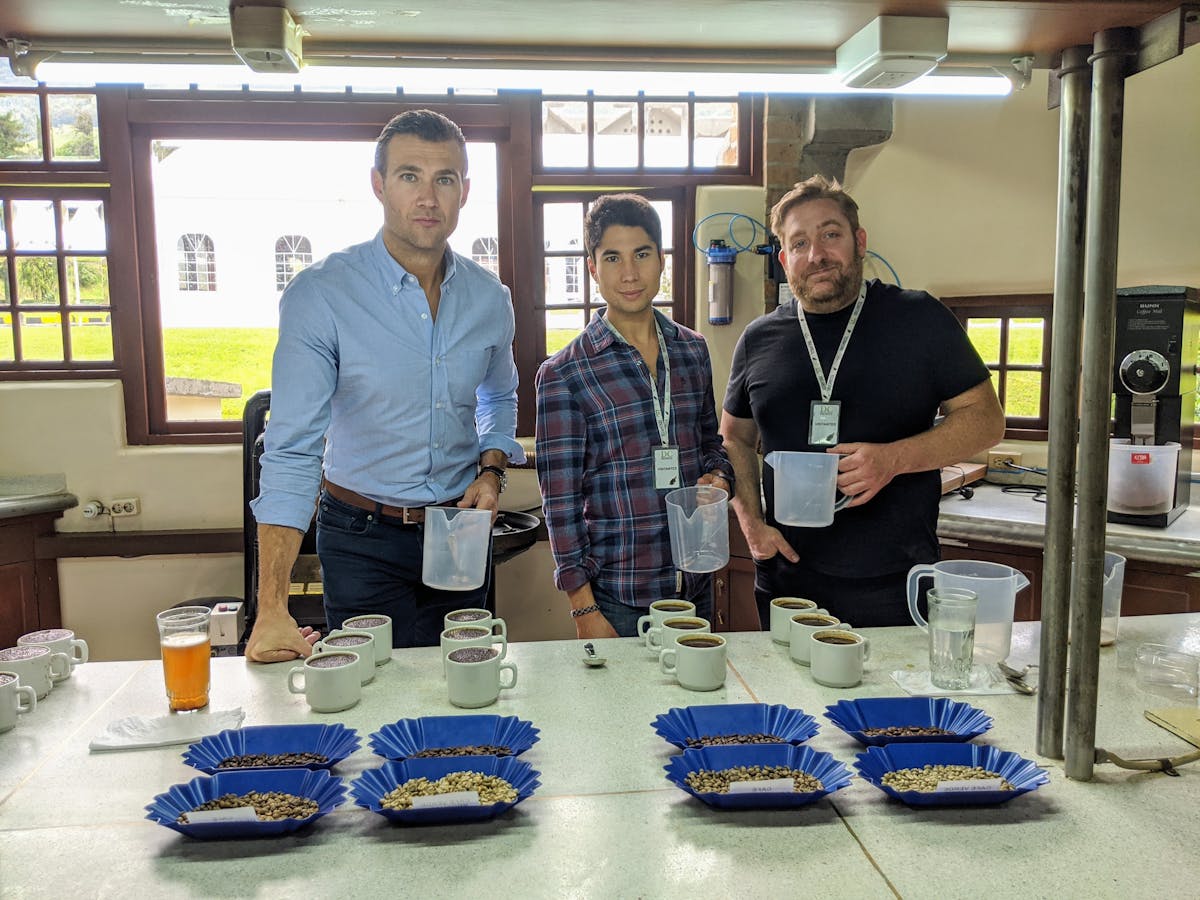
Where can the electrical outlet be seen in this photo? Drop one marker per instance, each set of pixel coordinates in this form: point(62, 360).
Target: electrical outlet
point(126, 506)
point(998, 460)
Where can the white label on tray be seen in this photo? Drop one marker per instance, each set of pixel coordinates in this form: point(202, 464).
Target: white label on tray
point(455, 798)
point(234, 814)
point(970, 785)
point(769, 786)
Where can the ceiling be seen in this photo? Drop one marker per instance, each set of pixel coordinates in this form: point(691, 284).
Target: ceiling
point(660, 31)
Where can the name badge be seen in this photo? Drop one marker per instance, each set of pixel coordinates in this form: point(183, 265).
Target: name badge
point(823, 422)
point(666, 467)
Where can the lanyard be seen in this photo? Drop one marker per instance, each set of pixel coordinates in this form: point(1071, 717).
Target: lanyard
point(826, 384)
point(662, 409)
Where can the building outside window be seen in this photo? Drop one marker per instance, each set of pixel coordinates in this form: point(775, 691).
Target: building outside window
point(293, 253)
point(486, 252)
point(197, 263)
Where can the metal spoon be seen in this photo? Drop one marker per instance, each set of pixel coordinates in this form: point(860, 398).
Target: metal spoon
point(1011, 672)
point(591, 659)
point(1020, 686)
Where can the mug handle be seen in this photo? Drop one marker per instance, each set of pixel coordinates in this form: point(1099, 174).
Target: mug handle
point(291, 680)
point(643, 625)
point(914, 584)
point(866, 646)
point(669, 668)
point(654, 638)
point(62, 661)
point(79, 652)
point(30, 696)
point(503, 631)
point(502, 639)
point(510, 667)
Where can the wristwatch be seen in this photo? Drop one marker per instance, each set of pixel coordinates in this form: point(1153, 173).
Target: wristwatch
point(499, 473)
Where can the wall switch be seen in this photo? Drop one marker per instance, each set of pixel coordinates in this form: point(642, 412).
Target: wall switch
point(127, 506)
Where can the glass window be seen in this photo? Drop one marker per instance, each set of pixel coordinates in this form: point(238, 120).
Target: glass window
point(73, 132)
point(293, 253)
point(20, 127)
point(486, 252)
point(197, 263)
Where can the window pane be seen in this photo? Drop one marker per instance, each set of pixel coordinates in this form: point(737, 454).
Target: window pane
point(561, 327)
point(20, 127)
point(716, 135)
point(664, 288)
point(33, 225)
point(1024, 394)
point(87, 280)
point(564, 280)
point(37, 281)
point(667, 135)
point(985, 335)
point(293, 253)
point(564, 134)
point(666, 212)
point(91, 336)
point(3, 281)
point(83, 225)
point(562, 226)
point(6, 339)
point(616, 137)
point(73, 132)
point(1025, 338)
point(41, 336)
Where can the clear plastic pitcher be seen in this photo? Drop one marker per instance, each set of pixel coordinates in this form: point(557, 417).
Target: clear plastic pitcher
point(456, 548)
point(698, 519)
point(805, 487)
point(1114, 584)
point(995, 585)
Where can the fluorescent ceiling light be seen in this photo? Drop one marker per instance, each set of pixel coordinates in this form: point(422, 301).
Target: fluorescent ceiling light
point(437, 80)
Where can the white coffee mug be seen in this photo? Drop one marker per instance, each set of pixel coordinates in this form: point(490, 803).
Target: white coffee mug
point(697, 661)
point(329, 681)
point(660, 611)
point(470, 636)
point(837, 657)
point(59, 640)
point(379, 627)
point(473, 676)
point(665, 635)
point(15, 699)
point(799, 629)
point(782, 610)
point(360, 642)
point(475, 615)
point(39, 667)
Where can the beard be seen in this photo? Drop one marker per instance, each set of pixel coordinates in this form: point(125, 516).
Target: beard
point(836, 293)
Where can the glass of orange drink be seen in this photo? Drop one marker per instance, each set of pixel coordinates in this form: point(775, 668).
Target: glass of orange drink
point(186, 650)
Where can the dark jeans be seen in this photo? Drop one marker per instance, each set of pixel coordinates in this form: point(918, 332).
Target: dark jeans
point(624, 618)
point(863, 602)
point(372, 564)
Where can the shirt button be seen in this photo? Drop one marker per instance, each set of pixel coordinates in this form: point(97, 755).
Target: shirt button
point(436, 446)
point(395, 288)
point(424, 315)
point(439, 405)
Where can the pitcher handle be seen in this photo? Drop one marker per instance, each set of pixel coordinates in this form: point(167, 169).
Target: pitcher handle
point(839, 505)
point(914, 583)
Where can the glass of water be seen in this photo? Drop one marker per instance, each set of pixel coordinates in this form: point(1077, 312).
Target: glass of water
point(951, 637)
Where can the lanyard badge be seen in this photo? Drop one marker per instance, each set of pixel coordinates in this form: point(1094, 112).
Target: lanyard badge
point(824, 415)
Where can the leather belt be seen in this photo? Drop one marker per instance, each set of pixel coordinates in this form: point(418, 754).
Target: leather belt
point(410, 515)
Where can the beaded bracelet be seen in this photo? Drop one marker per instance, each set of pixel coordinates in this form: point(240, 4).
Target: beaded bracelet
point(576, 613)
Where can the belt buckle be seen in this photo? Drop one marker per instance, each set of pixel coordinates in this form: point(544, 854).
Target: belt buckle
point(406, 519)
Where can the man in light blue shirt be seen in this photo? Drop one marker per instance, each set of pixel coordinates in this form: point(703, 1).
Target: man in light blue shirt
point(393, 389)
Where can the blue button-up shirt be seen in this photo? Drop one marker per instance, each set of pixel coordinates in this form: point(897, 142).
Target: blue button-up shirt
point(397, 404)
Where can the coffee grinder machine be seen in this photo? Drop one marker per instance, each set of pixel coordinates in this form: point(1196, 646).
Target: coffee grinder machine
point(1154, 380)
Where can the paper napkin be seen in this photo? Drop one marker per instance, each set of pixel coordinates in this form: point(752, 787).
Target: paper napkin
point(133, 732)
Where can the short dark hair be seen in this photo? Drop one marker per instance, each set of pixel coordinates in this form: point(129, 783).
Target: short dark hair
point(632, 210)
point(422, 123)
point(816, 188)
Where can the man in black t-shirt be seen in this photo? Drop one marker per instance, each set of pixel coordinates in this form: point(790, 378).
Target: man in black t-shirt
point(860, 369)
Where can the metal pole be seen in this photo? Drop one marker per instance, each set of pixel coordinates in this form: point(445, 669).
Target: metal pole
point(1076, 87)
point(1114, 49)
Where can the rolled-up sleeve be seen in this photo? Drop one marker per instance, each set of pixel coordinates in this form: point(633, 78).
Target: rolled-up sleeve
point(561, 434)
point(496, 396)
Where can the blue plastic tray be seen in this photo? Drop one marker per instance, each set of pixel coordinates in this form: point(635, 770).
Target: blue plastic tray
point(405, 738)
point(1023, 774)
point(793, 726)
point(335, 741)
point(370, 787)
point(327, 790)
point(833, 774)
point(854, 716)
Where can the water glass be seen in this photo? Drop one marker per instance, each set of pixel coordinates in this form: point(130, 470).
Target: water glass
point(951, 637)
point(186, 651)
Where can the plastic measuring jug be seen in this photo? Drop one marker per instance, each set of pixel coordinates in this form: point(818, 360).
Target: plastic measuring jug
point(456, 548)
point(698, 520)
point(1114, 584)
point(995, 585)
point(805, 487)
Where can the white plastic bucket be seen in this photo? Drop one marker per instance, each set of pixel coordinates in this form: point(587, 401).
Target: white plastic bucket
point(1141, 477)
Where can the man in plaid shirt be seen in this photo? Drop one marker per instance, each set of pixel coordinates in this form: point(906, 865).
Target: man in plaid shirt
point(611, 442)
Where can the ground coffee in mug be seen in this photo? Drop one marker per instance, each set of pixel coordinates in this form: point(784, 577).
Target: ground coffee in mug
point(331, 660)
point(469, 615)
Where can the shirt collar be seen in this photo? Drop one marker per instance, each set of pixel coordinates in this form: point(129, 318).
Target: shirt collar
point(600, 336)
point(390, 266)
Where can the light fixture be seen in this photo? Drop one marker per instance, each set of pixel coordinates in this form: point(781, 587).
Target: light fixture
point(892, 51)
point(266, 38)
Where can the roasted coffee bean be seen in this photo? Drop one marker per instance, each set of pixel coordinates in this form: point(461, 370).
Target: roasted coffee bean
point(926, 778)
point(904, 731)
point(717, 781)
point(269, 806)
point(708, 740)
point(472, 654)
point(491, 789)
point(253, 760)
point(331, 660)
point(472, 750)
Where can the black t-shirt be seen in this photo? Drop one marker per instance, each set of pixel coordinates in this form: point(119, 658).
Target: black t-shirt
point(906, 356)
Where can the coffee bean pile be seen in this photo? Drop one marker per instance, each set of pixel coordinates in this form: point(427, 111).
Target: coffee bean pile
point(926, 778)
point(905, 731)
point(491, 788)
point(710, 781)
point(472, 750)
point(269, 806)
point(709, 740)
point(254, 760)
